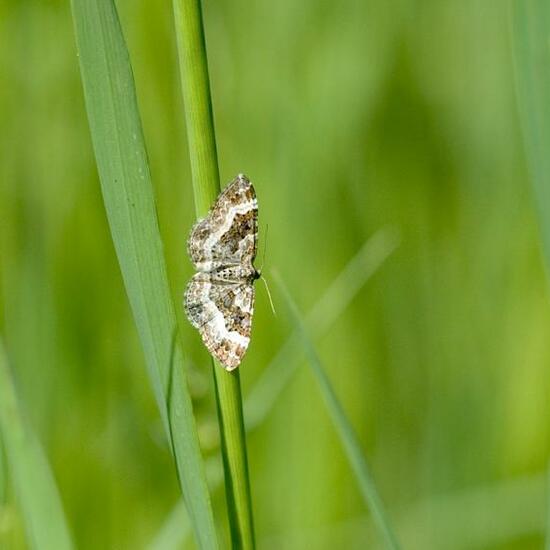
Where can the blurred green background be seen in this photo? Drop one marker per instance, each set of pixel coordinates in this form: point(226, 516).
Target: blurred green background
point(348, 117)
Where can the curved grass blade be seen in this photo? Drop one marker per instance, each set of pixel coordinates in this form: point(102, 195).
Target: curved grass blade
point(345, 430)
point(128, 195)
point(37, 494)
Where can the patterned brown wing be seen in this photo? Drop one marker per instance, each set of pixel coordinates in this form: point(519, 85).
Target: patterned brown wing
point(222, 312)
point(228, 234)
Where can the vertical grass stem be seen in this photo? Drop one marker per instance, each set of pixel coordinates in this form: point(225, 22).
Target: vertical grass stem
point(206, 187)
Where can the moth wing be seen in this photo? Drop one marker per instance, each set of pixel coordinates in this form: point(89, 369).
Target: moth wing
point(222, 312)
point(228, 234)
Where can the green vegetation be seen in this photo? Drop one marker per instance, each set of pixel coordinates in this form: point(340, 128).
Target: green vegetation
point(349, 119)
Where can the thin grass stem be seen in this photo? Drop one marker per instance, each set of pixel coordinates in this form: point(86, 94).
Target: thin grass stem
point(206, 186)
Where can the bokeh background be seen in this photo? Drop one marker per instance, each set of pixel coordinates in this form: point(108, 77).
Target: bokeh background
point(349, 117)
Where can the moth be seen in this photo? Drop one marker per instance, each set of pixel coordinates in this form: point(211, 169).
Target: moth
point(219, 299)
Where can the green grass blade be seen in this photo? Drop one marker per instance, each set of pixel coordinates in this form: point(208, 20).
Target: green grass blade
point(320, 319)
point(206, 187)
point(128, 195)
point(35, 486)
point(343, 426)
point(531, 30)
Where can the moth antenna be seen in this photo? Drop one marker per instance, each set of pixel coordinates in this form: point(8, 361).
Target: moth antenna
point(265, 247)
point(269, 296)
point(262, 277)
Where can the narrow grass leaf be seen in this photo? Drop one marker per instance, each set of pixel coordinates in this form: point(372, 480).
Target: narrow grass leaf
point(345, 430)
point(531, 30)
point(128, 195)
point(35, 486)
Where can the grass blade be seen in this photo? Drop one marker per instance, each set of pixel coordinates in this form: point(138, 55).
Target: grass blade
point(206, 187)
point(35, 486)
point(128, 195)
point(347, 435)
point(531, 30)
